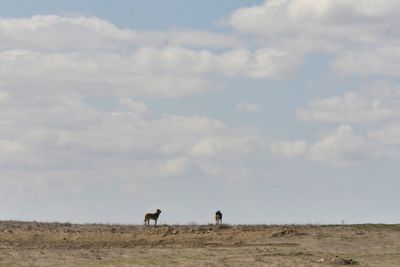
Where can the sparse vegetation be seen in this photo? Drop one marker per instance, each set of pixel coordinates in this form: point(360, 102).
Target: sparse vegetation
point(64, 244)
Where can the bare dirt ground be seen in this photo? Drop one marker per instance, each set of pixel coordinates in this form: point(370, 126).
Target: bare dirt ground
point(58, 244)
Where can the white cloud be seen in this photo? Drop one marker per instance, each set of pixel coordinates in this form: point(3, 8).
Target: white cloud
point(382, 60)
point(61, 132)
point(262, 63)
point(287, 30)
point(3, 96)
point(288, 149)
point(175, 167)
point(135, 106)
point(11, 150)
point(341, 146)
point(224, 146)
point(247, 107)
point(148, 72)
point(45, 75)
point(55, 33)
point(225, 155)
point(308, 20)
point(164, 72)
point(379, 102)
point(194, 38)
point(389, 134)
point(361, 35)
point(225, 169)
point(43, 50)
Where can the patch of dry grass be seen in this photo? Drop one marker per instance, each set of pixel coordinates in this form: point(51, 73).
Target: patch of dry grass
point(57, 244)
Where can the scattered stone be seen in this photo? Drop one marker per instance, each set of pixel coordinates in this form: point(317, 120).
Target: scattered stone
point(224, 226)
point(341, 261)
point(169, 231)
point(175, 232)
point(283, 232)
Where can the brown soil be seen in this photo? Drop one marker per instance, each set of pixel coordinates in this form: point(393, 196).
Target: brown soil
point(58, 244)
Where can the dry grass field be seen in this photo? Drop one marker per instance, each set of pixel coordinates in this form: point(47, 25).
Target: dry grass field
point(57, 244)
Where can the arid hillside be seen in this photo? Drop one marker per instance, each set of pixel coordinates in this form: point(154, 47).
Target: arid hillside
point(63, 244)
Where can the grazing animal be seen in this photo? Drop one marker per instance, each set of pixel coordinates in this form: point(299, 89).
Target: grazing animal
point(152, 216)
point(218, 217)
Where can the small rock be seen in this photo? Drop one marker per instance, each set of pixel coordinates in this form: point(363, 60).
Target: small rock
point(340, 261)
point(287, 232)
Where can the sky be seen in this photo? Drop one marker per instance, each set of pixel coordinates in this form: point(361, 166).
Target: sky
point(277, 111)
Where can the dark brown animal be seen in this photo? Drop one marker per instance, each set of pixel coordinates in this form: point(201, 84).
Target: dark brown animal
point(152, 216)
point(218, 217)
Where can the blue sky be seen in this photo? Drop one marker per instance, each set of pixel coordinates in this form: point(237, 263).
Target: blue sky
point(152, 14)
point(270, 111)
